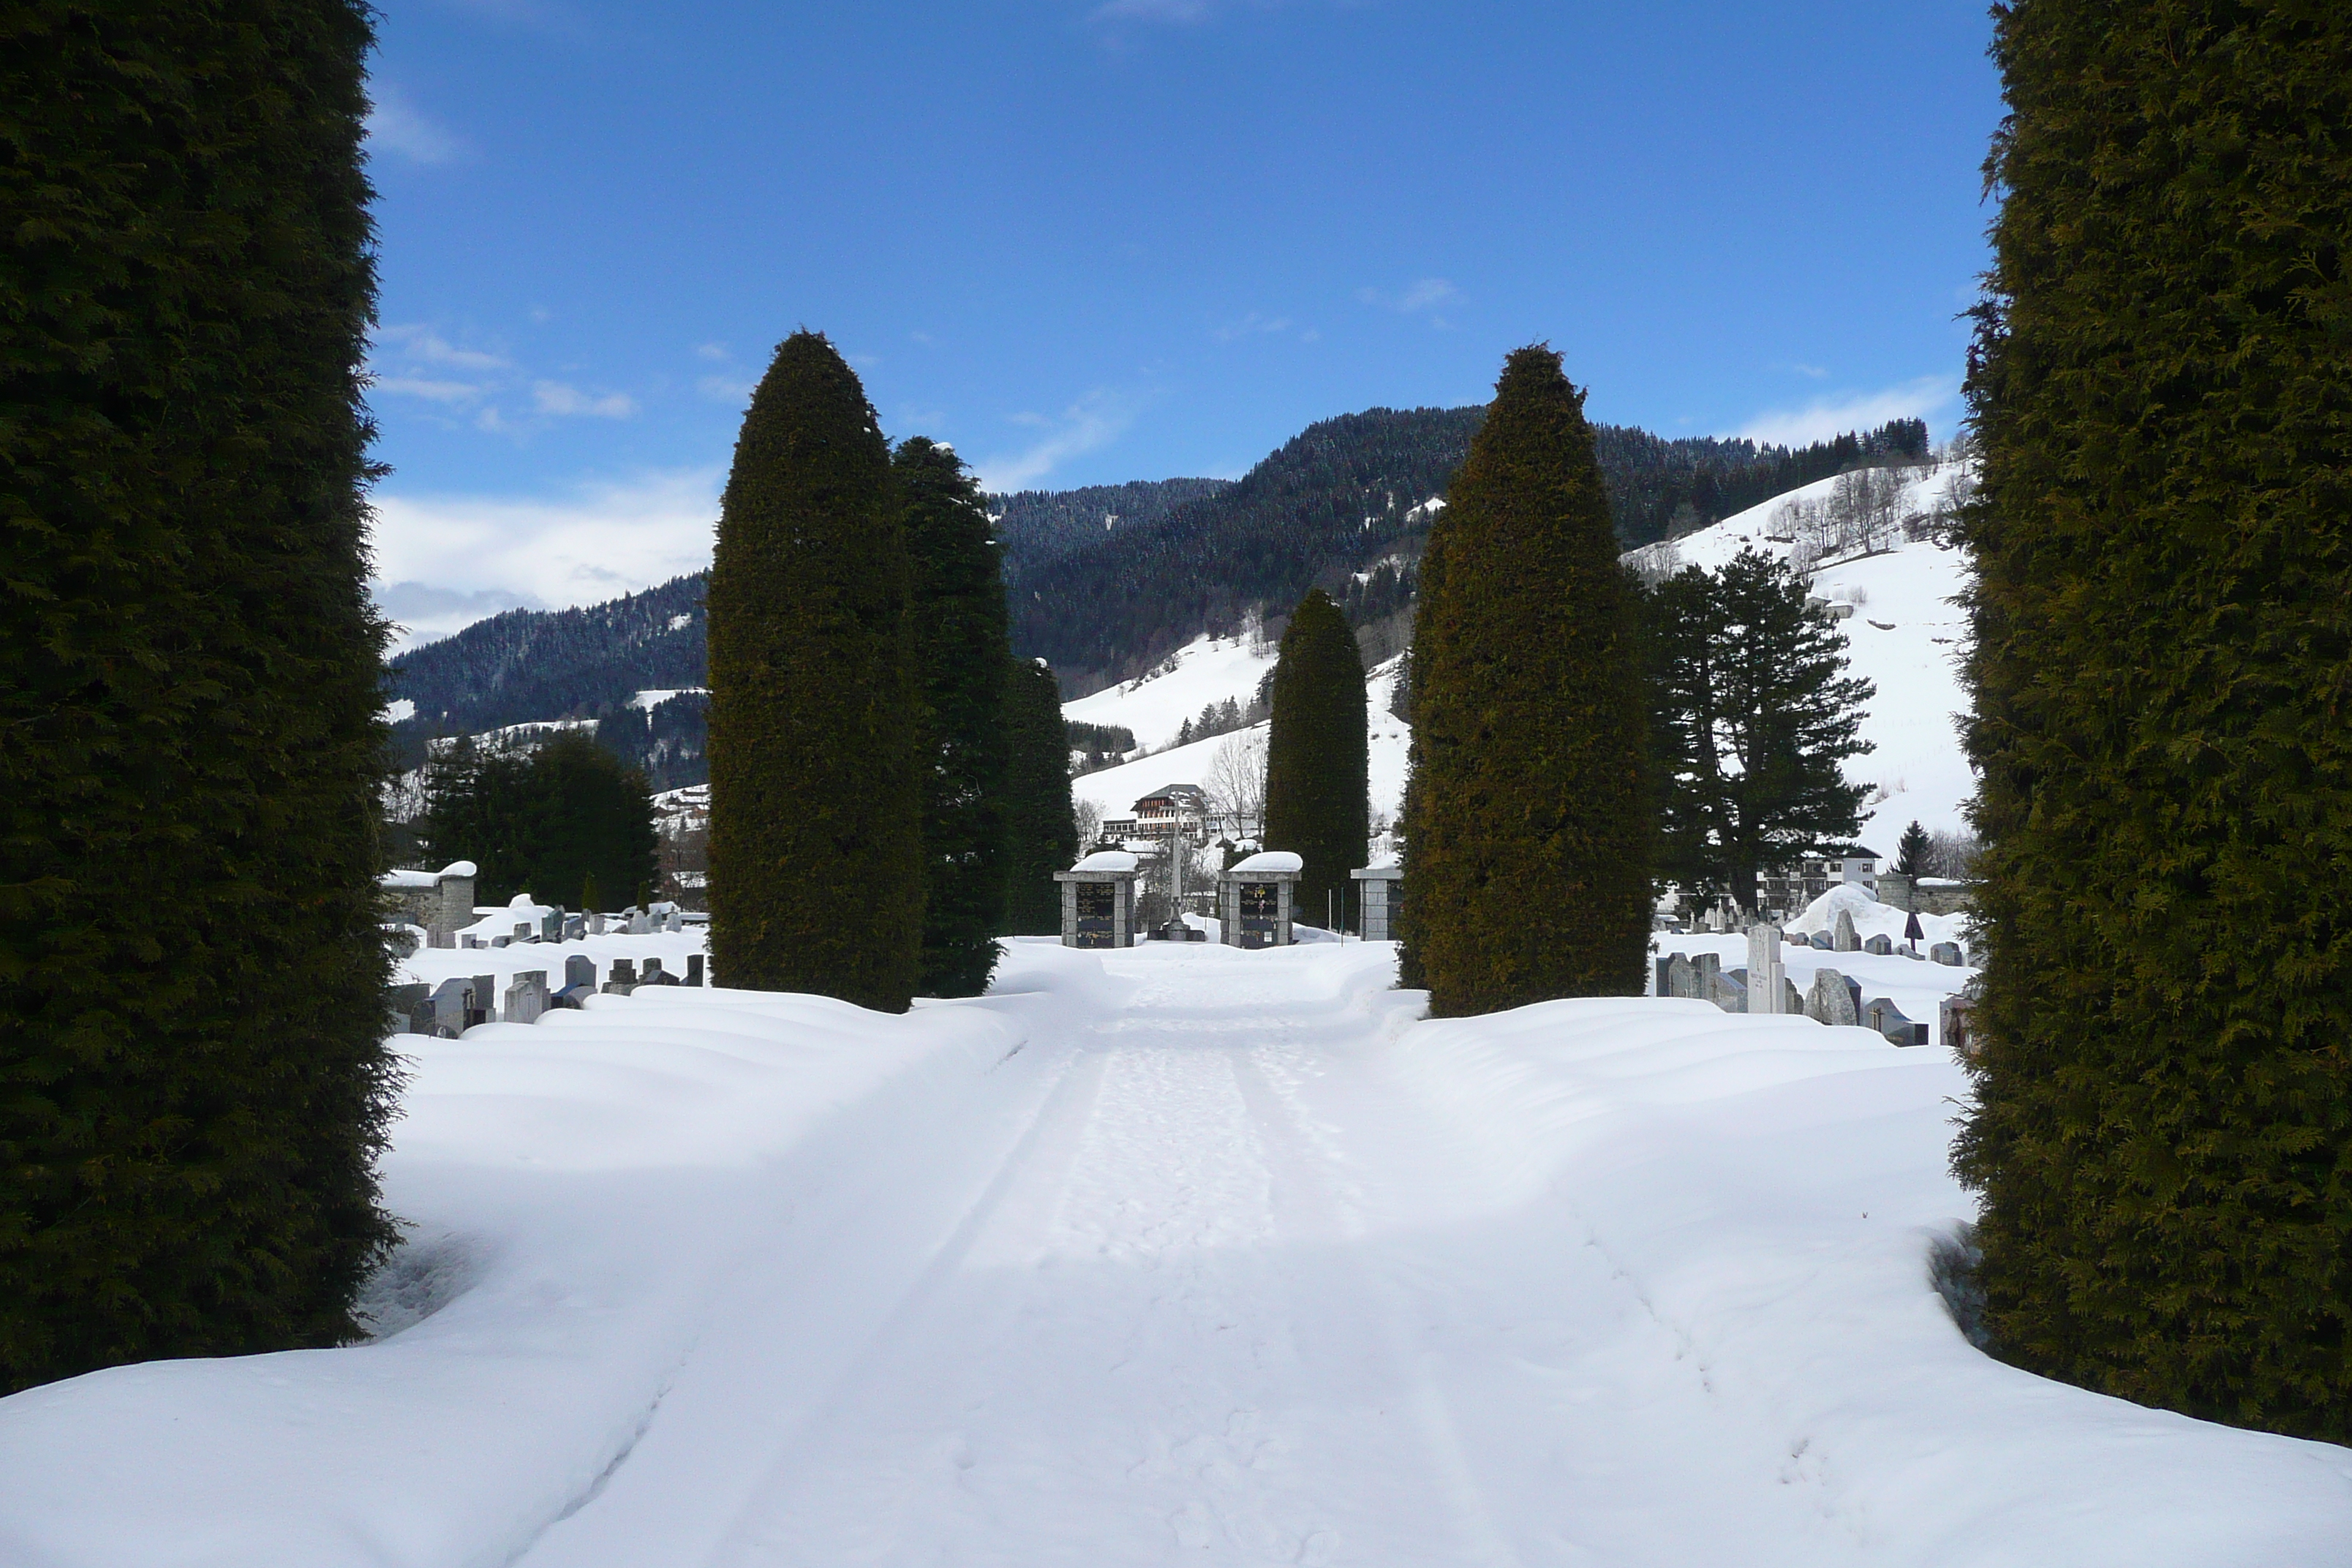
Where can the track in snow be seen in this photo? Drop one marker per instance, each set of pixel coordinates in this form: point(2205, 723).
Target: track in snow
point(1217, 1291)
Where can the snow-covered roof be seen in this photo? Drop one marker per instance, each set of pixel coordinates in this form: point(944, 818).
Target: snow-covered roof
point(460, 869)
point(1106, 860)
point(1270, 860)
point(408, 879)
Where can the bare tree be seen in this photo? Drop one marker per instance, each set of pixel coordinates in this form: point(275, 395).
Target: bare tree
point(1236, 783)
point(1089, 824)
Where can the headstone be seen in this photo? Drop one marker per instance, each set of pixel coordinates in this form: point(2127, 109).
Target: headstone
point(485, 987)
point(1833, 999)
point(1912, 952)
point(1681, 978)
point(468, 942)
point(527, 997)
point(412, 1009)
point(1882, 1014)
point(1882, 946)
point(1707, 967)
point(694, 969)
point(1843, 939)
point(551, 924)
point(580, 970)
point(500, 940)
point(1820, 940)
point(1728, 992)
point(522, 932)
point(653, 975)
point(1792, 1003)
point(1766, 977)
point(624, 977)
point(453, 1006)
point(595, 924)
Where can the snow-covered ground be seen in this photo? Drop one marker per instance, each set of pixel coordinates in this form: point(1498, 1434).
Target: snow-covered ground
point(1179, 1255)
point(1205, 671)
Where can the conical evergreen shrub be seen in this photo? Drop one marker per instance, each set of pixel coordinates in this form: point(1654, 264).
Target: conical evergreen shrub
point(960, 652)
point(816, 793)
point(193, 1082)
point(1528, 829)
point(1318, 757)
point(2162, 392)
point(1041, 824)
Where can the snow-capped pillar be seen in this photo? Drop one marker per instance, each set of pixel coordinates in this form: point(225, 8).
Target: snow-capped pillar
point(1098, 901)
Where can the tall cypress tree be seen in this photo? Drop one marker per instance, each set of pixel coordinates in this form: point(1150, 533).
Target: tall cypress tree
point(1041, 824)
point(815, 792)
point(1318, 754)
point(2162, 646)
point(1528, 829)
point(960, 652)
point(193, 1077)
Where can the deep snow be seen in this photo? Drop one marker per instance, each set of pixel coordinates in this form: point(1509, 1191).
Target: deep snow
point(1184, 1253)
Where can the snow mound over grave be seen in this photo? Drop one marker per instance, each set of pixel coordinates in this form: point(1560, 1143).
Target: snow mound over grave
point(1872, 918)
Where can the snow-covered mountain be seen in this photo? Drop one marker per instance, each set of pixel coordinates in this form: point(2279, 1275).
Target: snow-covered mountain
point(1903, 632)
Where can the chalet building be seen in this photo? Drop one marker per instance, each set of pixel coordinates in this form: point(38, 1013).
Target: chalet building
point(1789, 887)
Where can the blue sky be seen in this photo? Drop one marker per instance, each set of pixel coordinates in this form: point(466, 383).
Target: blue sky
point(1088, 242)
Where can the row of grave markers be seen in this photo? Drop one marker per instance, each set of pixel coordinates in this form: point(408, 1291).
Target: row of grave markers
point(455, 1006)
point(1764, 985)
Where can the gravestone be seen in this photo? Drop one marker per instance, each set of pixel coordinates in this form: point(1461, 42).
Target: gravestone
point(575, 927)
point(1882, 1014)
point(595, 924)
point(1680, 978)
point(412, 1009)
point(523, 931)
point(527, 997)
point(1842, 939)
point(694, 969)
point(651, 973)
point(500, 940)
point(1793, 1001)
point(1254, 896)
point(1880, 946)
point(484, 988)
point(1728, 992)
point(624, 977)
point(452, 1008)
point(1955, 1019)
point(1833, 999)
point(1766, 977)
point(1818, 940)
point(578, 970)
point(551, 924)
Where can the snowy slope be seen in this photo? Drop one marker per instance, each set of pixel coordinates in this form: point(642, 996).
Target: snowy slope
point(1183, 1254)
point(1115, 791)
point(1905, 634)
point(1205, 671)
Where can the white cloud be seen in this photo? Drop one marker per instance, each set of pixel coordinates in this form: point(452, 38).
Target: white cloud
point(1253, 325)
point(710, 351)
point(1183, 12)
point(397, 125)
point(432, 391)
point(1093, 421)
point(560, 398)
point(595, 543)
point(422, 613)
point(423, 345)
point(1928, 397)
point(726, 388)
point(1421, 297)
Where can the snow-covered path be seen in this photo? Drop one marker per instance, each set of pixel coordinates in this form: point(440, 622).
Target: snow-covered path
point(1176, 1256)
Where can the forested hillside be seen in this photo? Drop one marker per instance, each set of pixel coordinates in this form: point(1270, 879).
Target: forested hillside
point(1106, 580)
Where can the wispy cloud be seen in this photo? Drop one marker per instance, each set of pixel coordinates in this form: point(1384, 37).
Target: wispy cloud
point(565, 400)
point(726, 388)
point(1095, 420)
point(1251, 326)
point(397, 125)
point(425, 346)
point(430, 391)
point(580, 547)
point(1182, 13)
point(1929, 397)
point(710, 351)
point(1424, 296)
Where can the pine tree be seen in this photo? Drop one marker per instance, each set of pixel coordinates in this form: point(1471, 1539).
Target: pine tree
point(193, 1083)
point(2162, 641)
point(1041, 825)
point(816, 790)
point(589, 820)
point(1912, 851)
point(1753, 715)
point(960, 653)
point(1527, 827)
point(1318, 755)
